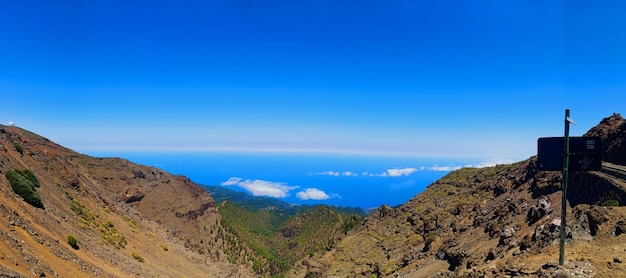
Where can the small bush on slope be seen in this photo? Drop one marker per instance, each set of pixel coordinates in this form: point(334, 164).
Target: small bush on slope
point(24, 183)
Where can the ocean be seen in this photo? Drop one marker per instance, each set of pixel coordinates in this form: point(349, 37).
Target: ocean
point(342, 180)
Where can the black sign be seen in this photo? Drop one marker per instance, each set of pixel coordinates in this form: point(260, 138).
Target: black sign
point(585, 153)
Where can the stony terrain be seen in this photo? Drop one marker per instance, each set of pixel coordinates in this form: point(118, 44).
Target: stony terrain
point(129, 220)
point(500, 221)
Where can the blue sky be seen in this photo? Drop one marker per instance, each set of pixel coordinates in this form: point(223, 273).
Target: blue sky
point(465, 79)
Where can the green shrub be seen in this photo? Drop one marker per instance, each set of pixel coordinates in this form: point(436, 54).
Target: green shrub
point(431, 237)
point(138, 257)
point(31, 177)
point(72, 241)
point(611, 203)
point(115, 238)
point(24, 183)
point(18, 148)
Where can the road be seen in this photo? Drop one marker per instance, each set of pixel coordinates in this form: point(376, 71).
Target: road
point(614, 170)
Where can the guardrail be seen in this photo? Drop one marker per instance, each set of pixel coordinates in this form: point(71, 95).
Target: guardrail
point(614, 170)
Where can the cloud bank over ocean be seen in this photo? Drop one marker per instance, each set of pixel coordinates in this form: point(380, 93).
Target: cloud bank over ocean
point(277, 189)
point(342, 180)
point(261, 187)
point(400, 172)
point(394, 172)
point(283, 190)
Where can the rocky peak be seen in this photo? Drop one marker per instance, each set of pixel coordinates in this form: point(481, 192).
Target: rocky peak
point(612, 130)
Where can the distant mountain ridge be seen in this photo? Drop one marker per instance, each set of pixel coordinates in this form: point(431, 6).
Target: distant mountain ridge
point(245, 200)
point(279, 232)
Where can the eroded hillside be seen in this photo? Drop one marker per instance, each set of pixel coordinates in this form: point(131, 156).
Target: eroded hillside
point(494, 222)
point(612, 130)
point(108, 217)
point(127, 219)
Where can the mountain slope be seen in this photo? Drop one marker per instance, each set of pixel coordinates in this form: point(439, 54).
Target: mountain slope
point(108, 217)
point(128, 220)
point(280, 238)
point(612, 130)
point(279, 233)
point(494, 221)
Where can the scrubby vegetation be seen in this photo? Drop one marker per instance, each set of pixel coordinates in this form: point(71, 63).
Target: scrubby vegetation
point(18, 148)
point(138, 258)
point(92, 221)
point(24, 183)
point(72, 241)
point(279, 238)
point(611, 203)
point(279, 234)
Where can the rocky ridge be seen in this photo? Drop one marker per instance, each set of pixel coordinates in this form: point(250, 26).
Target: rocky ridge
point(129, 220)
point(136, 221)
point(500, 221)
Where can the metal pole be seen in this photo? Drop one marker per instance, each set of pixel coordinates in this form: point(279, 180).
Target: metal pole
point(564, 189)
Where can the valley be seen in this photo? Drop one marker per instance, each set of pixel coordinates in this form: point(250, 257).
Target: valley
point(127, 220)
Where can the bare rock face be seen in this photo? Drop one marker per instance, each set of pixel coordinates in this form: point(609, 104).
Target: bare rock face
point(545, 235)
point(620, 228)
point(570, 269)
point(132, 194)
point(539, 211)
point(612, 130)
point(597, 216)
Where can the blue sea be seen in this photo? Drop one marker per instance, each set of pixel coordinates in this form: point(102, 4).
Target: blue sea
point(343, 180)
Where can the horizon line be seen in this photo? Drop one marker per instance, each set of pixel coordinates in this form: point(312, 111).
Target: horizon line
point(506, 160)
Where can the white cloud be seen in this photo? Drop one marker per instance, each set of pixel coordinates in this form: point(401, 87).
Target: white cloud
point(232, 181)
point(481, 164)
point(261, 187)
point(337, 174)
point(349, 174)
point(398, 172)
point(394, 172)
point(328, 173)
point(440, 168)
point(490, 163)
point(314, 194)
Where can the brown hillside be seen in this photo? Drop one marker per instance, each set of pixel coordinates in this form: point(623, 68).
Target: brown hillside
point(500, 221)
point(612, 130)
point(129, 220)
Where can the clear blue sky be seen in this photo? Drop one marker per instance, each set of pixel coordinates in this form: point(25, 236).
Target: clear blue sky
point(472, 79)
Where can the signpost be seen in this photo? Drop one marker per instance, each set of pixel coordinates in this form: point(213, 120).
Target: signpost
point(585, 153)
point(554, 154)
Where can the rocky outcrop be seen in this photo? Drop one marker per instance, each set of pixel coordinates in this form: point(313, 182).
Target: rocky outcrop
point(612, 130)
point(539, 211)
point(132, 194)
point(500, 221)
